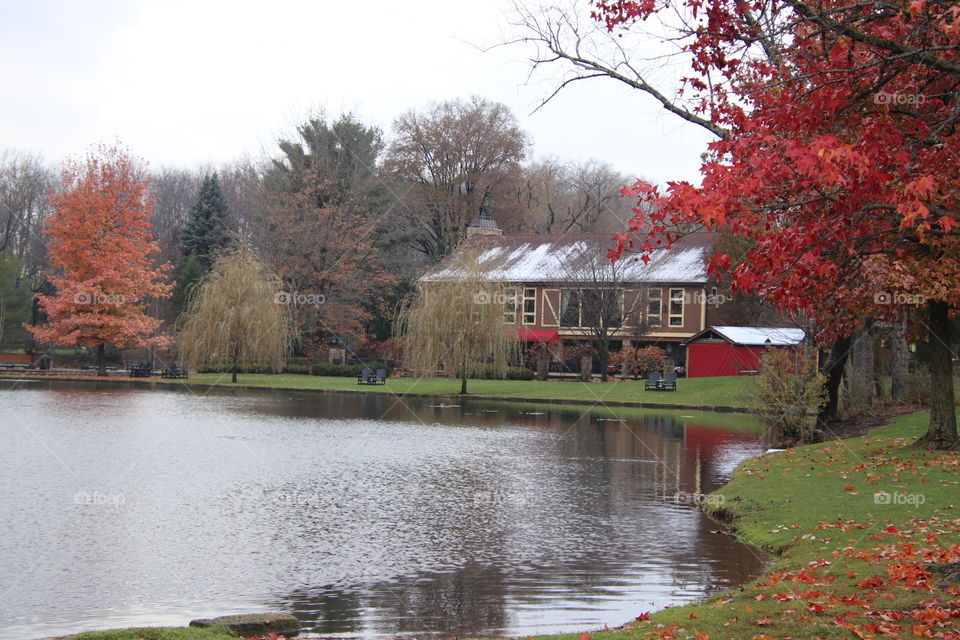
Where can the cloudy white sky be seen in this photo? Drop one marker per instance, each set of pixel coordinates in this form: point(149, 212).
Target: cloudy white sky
point(195, 82)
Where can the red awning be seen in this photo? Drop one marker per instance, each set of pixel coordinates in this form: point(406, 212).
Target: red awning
point(537, 335)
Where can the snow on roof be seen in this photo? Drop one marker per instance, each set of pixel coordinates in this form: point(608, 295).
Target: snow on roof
point(758, 336)
point(575, 257)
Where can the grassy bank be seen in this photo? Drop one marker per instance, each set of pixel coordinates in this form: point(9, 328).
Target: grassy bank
point(733, 391)
point(730, 391)
point(854, 523)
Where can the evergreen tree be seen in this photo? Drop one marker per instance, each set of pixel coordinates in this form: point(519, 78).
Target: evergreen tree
point(190, 275)
point(207, 229)
point(15, 300)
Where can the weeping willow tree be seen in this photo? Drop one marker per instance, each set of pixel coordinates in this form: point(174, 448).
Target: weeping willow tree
point(458, 325)
point(234, 317)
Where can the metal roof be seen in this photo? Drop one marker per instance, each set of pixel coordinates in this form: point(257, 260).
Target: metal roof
point(573, 258)
point(758, 336)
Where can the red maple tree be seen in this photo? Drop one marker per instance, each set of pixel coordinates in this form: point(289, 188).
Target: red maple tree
point(101, 246)
point(840, 159)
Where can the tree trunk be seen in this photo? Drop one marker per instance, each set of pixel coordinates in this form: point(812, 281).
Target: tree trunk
point(233, 371)
point(942, 429)
point(604, 359)
point(463, 384)
point(839, 352)
point(586, 368)
point(543, 364)
point(899, 357)
point(861, 378)
point(877, 373)
point(101, 359)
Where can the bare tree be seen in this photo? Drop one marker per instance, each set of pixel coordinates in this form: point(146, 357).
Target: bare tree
point(174, 192)
point(24, 182)
point(455, 157)
point(599, 298)
point(565, 37)
point(574, 197)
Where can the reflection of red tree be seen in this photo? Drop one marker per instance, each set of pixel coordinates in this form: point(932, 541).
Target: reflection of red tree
point(709, 440)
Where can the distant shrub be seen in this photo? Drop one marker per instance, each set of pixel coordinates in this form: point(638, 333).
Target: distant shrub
point(346, 370)
point(247, 367)
point(510, 373)
point(789, 393)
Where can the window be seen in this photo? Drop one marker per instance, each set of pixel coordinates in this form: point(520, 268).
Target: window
point(676, 307)
point(654, 306)
point(510, 307)
point(569, 308)
point(529, 306)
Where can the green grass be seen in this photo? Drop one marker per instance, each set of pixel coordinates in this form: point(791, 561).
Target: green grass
point(729, 391)
point(841, 552)
point(156, 633)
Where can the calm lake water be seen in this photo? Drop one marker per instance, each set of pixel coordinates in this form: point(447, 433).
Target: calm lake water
point(362, 515)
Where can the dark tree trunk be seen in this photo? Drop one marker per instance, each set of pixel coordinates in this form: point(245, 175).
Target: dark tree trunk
point(899, 355)
point(860, 384)
point(877, 365)
point(839, 352)
point(463, 384)
point(942, 430)
point(101, 359)
point(604, 349)
point(233, 371)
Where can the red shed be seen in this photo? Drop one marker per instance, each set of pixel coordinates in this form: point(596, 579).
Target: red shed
point(732, 351)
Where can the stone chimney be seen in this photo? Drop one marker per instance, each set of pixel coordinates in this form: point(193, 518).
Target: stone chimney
point(483, 225)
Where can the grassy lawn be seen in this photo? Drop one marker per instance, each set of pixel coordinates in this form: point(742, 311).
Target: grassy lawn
point(854, 523)
point(729, 391)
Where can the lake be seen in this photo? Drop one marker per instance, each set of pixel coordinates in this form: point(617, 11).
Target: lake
point(363, 515)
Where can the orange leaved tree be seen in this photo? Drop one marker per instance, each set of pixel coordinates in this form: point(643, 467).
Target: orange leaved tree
point(101, 248)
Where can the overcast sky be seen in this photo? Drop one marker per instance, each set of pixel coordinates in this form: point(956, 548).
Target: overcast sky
point(196, 82)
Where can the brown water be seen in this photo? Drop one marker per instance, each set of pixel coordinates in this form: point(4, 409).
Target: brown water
point(363, 515)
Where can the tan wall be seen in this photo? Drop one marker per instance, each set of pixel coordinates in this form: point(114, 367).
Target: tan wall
point(547, 315)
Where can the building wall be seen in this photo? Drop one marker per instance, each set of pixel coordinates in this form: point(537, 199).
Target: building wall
point(545, 301)
point(711, 359)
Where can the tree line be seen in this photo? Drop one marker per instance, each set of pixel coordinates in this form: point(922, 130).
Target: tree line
point(346, 216)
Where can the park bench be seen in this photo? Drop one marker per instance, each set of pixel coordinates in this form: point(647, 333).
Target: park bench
point(140, 370)
point(173, 370)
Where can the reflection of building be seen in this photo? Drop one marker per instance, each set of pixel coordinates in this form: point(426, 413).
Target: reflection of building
point(556, 283)
point(731, 351)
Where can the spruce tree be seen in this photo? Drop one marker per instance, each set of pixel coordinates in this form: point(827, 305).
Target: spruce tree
point(207, 229)
point(190, 275)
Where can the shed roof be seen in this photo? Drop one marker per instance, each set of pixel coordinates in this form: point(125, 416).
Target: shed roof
point(575, 257)
point(755, 336)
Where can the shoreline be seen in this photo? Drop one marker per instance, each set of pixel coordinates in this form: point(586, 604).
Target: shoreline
point(154, 383)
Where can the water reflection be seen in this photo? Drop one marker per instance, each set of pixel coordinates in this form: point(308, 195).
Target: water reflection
point(364, 515)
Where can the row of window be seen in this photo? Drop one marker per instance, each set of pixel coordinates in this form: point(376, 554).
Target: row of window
point(585, 308)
